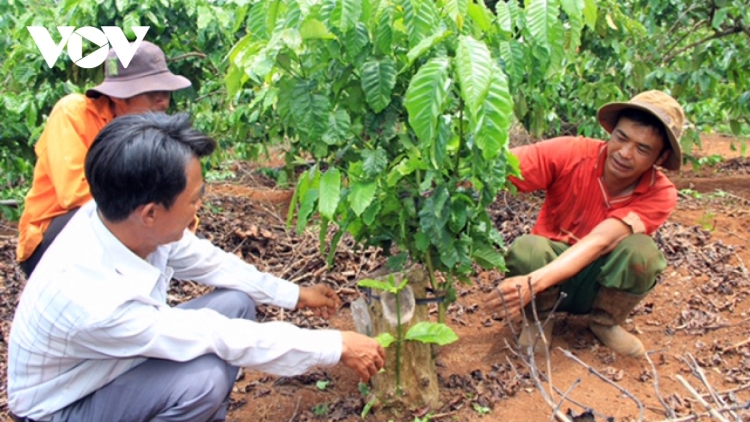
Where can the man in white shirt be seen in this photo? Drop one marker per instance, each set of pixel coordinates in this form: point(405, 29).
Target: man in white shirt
point(93, 338)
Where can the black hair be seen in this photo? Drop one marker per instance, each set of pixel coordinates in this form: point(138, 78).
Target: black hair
point(138, 159)
point(644, 118)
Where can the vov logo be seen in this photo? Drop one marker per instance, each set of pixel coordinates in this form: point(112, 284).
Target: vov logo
point(74, 39)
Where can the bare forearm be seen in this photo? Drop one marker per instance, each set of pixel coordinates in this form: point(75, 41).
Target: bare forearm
point(570, 262)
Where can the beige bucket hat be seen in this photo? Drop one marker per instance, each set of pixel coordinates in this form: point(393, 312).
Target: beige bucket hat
point(663, 107)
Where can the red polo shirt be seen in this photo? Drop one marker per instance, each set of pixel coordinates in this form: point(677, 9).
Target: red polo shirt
point(569, 170)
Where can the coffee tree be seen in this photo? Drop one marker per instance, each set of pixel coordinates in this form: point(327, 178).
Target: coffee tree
point(405, 107)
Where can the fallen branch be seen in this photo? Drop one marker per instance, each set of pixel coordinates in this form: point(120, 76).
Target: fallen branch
point(186, 56)
point(564, 396)
point(713, 412)
point(607, 380)
point(694, 417)
point(701, 375)
point(670, 411)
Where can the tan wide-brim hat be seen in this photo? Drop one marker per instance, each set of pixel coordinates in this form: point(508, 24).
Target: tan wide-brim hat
point(146, 72)
point(663, 107)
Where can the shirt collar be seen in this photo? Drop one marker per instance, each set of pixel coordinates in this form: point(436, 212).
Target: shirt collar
point(103, 108)
point(140, 273)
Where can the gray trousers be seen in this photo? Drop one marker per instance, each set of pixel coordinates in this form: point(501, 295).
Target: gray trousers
point(167, 391)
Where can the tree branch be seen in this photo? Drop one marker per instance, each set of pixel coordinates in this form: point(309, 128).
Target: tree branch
point(704, 40)
point(186, 56)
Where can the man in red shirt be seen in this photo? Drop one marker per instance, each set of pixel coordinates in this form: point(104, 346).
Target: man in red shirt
point(592, 237)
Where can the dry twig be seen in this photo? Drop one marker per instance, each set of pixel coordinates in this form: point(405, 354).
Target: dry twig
point(713, 412)
point(670, 411)
point(607, 380)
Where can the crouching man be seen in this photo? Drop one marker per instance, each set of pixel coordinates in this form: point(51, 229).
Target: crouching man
point(93, 338)
point(592, 237)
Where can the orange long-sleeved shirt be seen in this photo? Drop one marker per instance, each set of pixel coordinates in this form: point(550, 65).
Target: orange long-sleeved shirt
point(59, 182)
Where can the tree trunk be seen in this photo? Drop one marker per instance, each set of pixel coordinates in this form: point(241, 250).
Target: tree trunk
point(418, 379)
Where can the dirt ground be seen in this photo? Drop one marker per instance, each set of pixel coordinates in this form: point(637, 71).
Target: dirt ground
point(699, 309)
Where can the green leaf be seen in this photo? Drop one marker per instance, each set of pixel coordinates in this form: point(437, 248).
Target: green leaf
point(431, 332)
point(590, 13)
point(425, 97)
point(735, 126)
point(361, 195)
point(574, 9)
point(481, 16)
point(356, 40)
point(309, 109)
point(457, 9)
point(374, 162)
point(375, 284)
point(205, 16)
point(383, 35)
point(385, 339)
point(473, 63)
point(330, 192)
point(351, 10)
point(339, 128)
point(494, 117)
point(541, 17)
point(426, 44)
point(256, 22)
point(421, 241)
point(511, 53)
point(378, 80)
point(306, 208)
point(272, 14)
point(322, 384)
point(504, 20)
point(487, 256)
point(314, 29)
point(421, 18)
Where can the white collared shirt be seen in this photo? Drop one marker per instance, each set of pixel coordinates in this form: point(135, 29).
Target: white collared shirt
point(92, 310)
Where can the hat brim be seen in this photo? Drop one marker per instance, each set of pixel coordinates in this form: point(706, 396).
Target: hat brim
point(165, 81)
point(608, 116)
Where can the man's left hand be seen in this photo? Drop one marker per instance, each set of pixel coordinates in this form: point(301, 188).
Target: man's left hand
point(514, 302)
point(321, 299)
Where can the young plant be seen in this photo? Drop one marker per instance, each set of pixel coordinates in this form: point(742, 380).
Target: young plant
point(424, 331)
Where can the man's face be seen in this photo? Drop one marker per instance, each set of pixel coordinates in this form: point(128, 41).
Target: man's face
point(633, 149)
point(157, 101)
point(171, 224)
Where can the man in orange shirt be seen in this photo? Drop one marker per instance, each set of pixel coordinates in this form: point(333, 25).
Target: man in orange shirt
point(592, 237)
point(60, 187)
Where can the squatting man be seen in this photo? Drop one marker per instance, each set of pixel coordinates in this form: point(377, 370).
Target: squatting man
point(592, 237)
point(93, 338)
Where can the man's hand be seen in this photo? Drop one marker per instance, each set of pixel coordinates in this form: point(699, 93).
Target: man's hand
point(323, 301)
point(361, 354)
point(509, 290)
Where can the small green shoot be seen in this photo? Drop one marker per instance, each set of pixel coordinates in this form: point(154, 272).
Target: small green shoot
point(322, 384)
point(320, 409)
point(481, 410)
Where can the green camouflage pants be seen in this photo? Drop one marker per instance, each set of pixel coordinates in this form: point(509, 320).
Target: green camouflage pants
point(632, 267)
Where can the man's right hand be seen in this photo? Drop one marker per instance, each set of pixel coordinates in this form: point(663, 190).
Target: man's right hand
point(362, 354)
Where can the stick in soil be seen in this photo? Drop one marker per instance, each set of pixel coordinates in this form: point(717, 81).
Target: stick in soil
point(540, 334)
point(713, 412)
point(563, 398)
point(530, 364)
point(607, 380)
point(696, 369)
point(670, 411)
